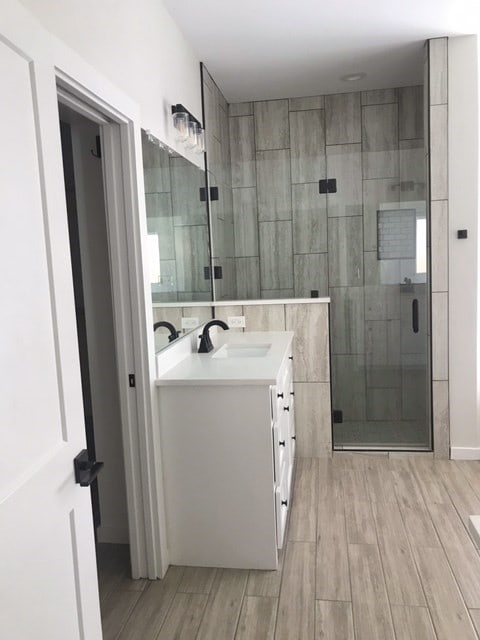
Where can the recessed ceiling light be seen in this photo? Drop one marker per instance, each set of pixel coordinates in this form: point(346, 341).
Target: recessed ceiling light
point(352, 77)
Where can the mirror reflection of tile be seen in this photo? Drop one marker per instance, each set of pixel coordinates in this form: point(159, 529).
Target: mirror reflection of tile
point(177, 225)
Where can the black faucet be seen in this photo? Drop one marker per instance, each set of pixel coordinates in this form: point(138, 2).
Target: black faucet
point(168, 325)
point(205, 341)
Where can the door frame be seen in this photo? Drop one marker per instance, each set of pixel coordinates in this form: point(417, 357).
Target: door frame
point(121, 151)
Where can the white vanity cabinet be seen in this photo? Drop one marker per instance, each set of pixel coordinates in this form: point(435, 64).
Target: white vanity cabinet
point(283, 443)
point(228, 448)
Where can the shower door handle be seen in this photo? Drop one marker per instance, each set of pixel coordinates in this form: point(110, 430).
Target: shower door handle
point(415, 315)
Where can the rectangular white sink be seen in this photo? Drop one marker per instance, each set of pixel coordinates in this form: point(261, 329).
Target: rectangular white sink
point(252, 350)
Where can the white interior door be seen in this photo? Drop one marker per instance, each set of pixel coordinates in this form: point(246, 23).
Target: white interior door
point(48, 582)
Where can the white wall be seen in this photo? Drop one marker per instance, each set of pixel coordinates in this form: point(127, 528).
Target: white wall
point(464, 344)
point(138, 47)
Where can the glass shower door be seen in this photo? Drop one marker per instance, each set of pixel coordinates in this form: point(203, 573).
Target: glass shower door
point(378, 282)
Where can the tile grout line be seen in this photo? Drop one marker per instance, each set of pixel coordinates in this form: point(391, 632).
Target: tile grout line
point(206, 603)
point(317, 490)
point(410, 546)
point(142, 592)
point(448, 560)
point(348, 563)
point(285, 545)
point(241, 606)
point(445, 483)
point(380, 556)
point(119, 632)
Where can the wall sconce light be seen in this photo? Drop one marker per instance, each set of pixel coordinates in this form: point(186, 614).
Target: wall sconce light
point(180, 122)
point(191, 141)
point(188, 129)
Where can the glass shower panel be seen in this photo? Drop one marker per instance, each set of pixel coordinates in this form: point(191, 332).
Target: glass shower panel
point(219, 176)
point(378, 279)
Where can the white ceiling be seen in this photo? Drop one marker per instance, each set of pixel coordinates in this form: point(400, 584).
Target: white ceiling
point(258, 49)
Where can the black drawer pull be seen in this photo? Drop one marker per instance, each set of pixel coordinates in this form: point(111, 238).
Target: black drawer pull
point(294, 437)
point(284, 503)
point(279, 395)
point(286, 408)
point(290, 357)
point(282, 443)
point(292, 393)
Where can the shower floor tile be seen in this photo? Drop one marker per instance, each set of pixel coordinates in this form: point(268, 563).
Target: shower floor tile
point(391, 435)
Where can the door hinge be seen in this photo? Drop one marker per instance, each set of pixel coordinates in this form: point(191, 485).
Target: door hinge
point(97, 152)
point(332, 185)
point(131, 379)
point(327, 186)
point(213, 193)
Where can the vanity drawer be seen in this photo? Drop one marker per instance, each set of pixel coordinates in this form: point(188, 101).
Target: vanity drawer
point(291, 393)
point(280, 440)
point(285, 373)
point(280, 393)
point(281, 506)
point(284, 402)
point(281, 398)
point(291, 413)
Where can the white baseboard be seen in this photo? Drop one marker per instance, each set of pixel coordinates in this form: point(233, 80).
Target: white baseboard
point(112, 535)
point(465, 453)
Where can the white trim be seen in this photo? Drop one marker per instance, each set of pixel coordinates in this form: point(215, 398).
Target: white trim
point(242, 303)
point(151, 470)
point(85, 82)
point(78, 106)
point(121, 156)
point(465, 453)
point(114, 177)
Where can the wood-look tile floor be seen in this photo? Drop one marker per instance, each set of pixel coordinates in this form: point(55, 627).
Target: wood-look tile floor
point(377, 549)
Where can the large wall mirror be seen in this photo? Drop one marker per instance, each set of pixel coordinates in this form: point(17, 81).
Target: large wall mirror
point(178, 239)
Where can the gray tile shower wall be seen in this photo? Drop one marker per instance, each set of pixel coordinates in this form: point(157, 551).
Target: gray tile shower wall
point(436, 155)
point(371, 142)
point(311, 365)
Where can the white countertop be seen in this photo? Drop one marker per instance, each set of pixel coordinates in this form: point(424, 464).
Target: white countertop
point(204, 369)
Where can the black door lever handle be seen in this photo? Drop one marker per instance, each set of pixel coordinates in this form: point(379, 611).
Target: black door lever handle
point(85, 470)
